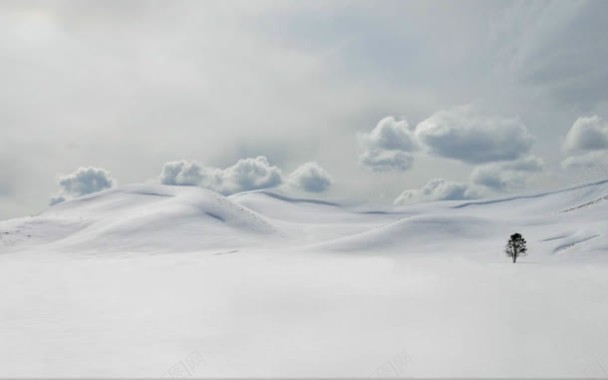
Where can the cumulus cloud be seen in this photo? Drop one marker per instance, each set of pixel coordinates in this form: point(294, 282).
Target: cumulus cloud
point(251, 174)
point(586, 161)
point(438, 189)
point(503, 176)
point(182, 173)
point(589, 167)
point(383, 161)
point(310, 177)
point(246, 174)
point(388, 146)
point(526, 164)
point(56, 199)
point(588, 133)
point(463, 134)
point(82, 182)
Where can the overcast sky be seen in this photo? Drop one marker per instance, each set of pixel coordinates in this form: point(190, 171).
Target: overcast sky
point(377, 100)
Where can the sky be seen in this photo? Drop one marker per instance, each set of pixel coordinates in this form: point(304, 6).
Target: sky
point(373, 101)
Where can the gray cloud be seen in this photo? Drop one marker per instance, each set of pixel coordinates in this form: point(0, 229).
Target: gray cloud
point(56, 199)
point(587, 144)
point(493, 179)
point(463, 134)
point(586, 161)
point(251, 174)
point(82, 182)
point(557, 46)
point(526, 164)
point(246, 174)
point(388, 146)
point(438, 189)
point(504, 176)
point(183, 173)
point(383, 161)
point(310, 177)
point(587, 134)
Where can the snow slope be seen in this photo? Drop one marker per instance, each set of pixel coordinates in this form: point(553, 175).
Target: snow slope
point(155, 218)
point(145, 218)
point(150, 280)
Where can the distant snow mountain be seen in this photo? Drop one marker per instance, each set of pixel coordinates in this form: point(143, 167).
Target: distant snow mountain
point(157, 218)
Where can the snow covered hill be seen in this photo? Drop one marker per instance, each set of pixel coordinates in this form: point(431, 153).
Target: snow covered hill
point(156, 218)
point(150, 280)
point(149, 218)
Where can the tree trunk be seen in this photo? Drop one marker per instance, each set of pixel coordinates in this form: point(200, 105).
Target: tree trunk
point(514, 254)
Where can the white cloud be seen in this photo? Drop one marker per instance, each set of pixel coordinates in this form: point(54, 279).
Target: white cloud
point(586, 161)
point(251, 174)
point(383, 161)
point(585, 168)
point(529, 163)
point(407, 197)
point(463, 134)
point(82, 182)
point(503, 176)
point(587, 134)
point(56, 199)
point(310, 177)
point(182, 173)
point(388, 146)
point(246, 174)
point(587, 143)
point(438, 189)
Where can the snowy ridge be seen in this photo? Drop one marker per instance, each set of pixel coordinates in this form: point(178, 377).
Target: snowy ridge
point(144, 218)
point(156, 218)
point(584, 205)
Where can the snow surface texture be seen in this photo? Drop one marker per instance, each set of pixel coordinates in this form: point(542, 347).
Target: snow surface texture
point(148, 280)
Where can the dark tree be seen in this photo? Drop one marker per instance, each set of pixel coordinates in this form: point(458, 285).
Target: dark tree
point(516, 246)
